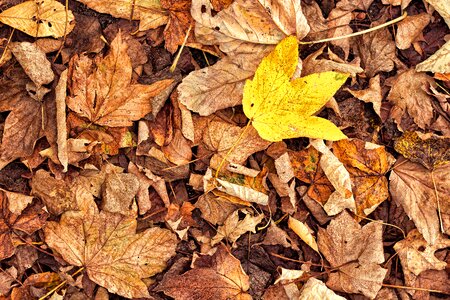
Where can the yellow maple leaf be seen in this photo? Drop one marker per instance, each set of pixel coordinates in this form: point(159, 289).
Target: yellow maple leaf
point(281, 108)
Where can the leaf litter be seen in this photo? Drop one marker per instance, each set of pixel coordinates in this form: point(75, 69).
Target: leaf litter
point(203, 149)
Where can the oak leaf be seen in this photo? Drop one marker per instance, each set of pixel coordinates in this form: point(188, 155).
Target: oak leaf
point(108, 247)
point(281, 108)
point(39, 18)
point(219, 276)
point(102, 90)
point(356, 252)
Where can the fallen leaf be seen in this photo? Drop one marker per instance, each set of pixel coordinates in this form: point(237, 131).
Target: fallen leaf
point(28, 221)
point(367, 164)
point(39, 18)
point(416, 255)
point(410, 30)
point(442, 7)
point(277, 236)
point(60, 99)
point(7, 277)
point(288, 275)
point(403, 3)
point(105, 95)
point(285, 111)
point(149, 12)
point(438, 62)
point(372, 94)
point(219, 276)
point(108, 247)
point(118, 192)
point(215, 209)
point(427, 149)
point(409, 95)
point(303, 232)
point(316, 289)
point(233, 228)
point(415, 188)
point(17, 202)
point(282, 292)
point(356, 252)
point(178, 24)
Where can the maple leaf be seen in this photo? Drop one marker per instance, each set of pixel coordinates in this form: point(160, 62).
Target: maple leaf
point(219, 276)
point(102, 90)
point(356, 252)
point(108, 247)
point(281, 108)
point(39, 18)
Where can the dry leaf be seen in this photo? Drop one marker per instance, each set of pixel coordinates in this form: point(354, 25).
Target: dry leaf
point(108, 247)
point(60, 99)
point(367, 164)
point(316, 289)
point(286, 111)
point(357, 252)
point(304, 232)
point(409, 95)
point(288, 275)
point(180, 20)
point(416, 255)
point(219, 276)
point(149, 12)
point(105, 95)
point(39, 18)
point(372, 94)
point(118, 192)
point(415, 188)
point(438, 62)
point(339, 177)
point(410, 30)
point(233, 228)
point(215, 209)
point(443, 8)
point(277, 236)
point(7, 277)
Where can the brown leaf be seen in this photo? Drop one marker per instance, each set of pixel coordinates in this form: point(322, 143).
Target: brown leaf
point(215, 209)
point(415, 188)
point(60, 99)
point(118, 192)
point(108, 247)
point(180, 20)
point(372, 94)
point(367, 164)
point(438, 62)
point(357, 252)
point(219, 276)
point(427, 149)
point(409, 95)
point(104, 94)
point(410, 30)
point(29, 221)
point(7, 277)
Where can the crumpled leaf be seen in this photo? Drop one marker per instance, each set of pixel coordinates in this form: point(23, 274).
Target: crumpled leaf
point(285, 111)
point(178, 23)
point(39, 18)
point(149, 12)
point(108, 247)
point(357, 252)
point(372, 94)
point(410, 30)
point(60, 99)
point(288, 275)
point(233, 228)
point(415, 188)
point(409, 95)
point(438, 62)
point(304, 232)
point(28, 221)
point(219, 276)
point(105, 95)
point(316, 289)
point(427, 149)
point(215, 209)
point(367, 164)
point(416, 255)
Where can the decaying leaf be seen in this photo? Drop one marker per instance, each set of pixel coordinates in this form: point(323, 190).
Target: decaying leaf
point(410, 30)
point(149, 12)
point(357, 252)
point(178, 23)
point(39, 18)
point(416, 255)
point(304, 232)
point(233, 228)
point(367, 164)
point(108, 247)
point(105, 94)
point(219, 276)
point(415, 188)
point(281, 108)
point(372, 94)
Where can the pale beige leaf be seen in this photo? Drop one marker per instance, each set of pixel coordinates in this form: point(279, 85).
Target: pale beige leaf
point(339, 177)
point(119, 191)
point(243, 192)
point(39, 18)
point(403, 3)
point(288, 275)
point(233, 228)
point(443, 8)
point(410, 30)
point(17, 202)
point(416, 255)
point(107, 246)
point(315, 289)
point(372, 94)
point(34, 62)
point(149, 12)
point(439, 62)
point(304, 232)
point(414, 188)
point(61, 127)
